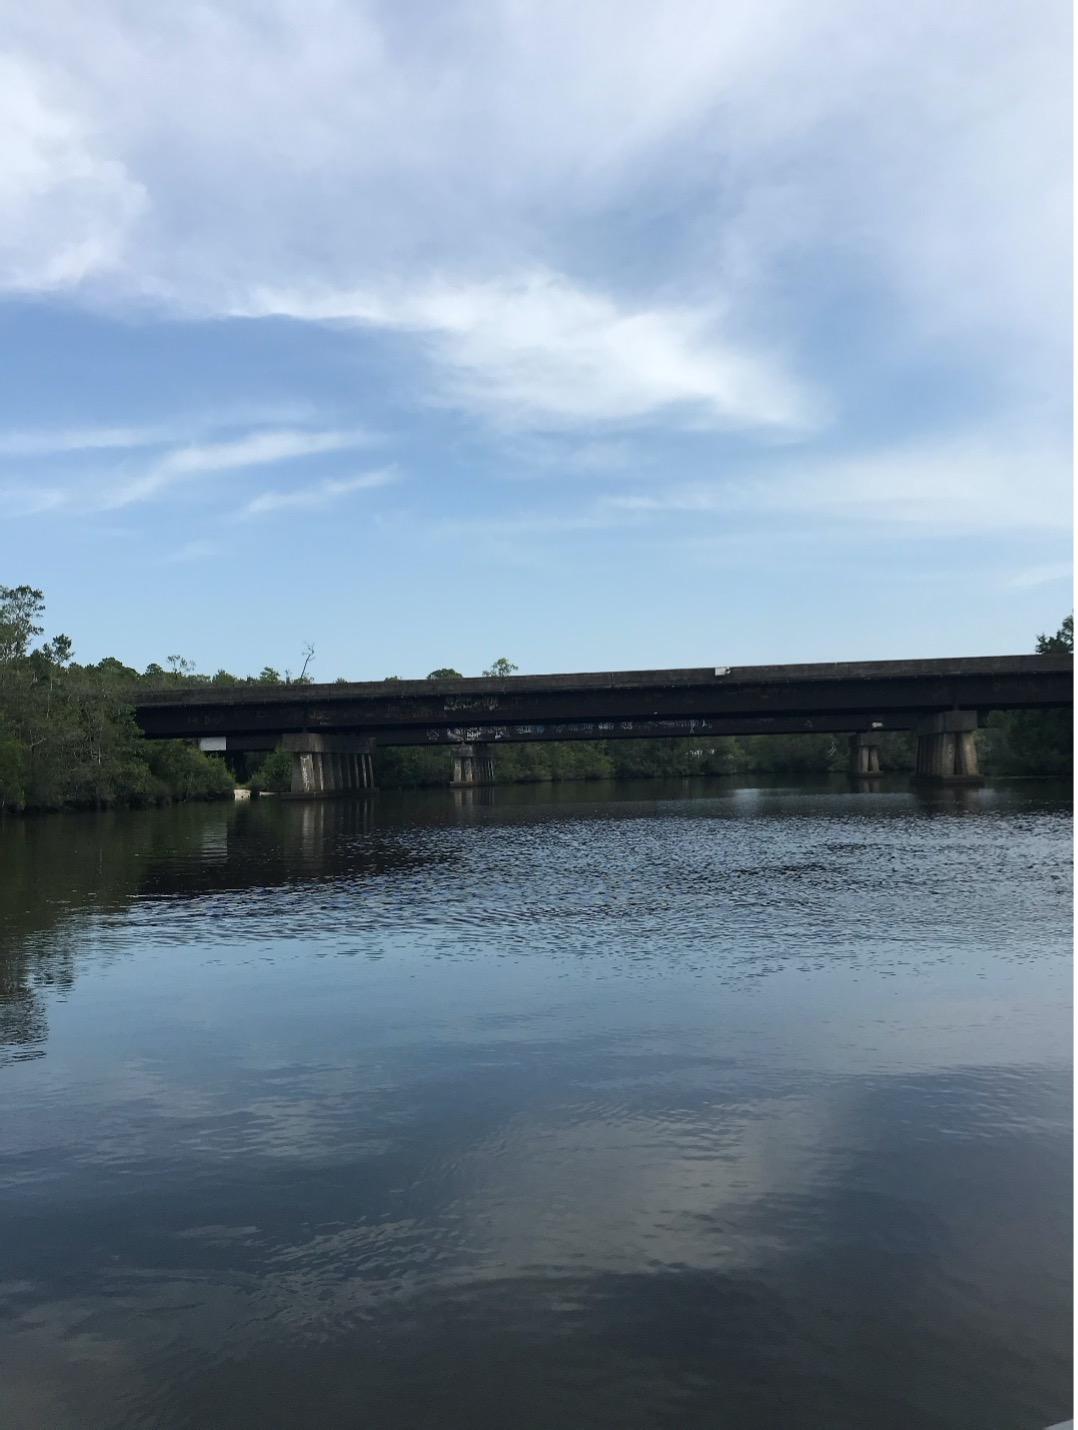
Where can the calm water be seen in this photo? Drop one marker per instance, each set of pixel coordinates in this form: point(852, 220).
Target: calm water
point(624, 1107)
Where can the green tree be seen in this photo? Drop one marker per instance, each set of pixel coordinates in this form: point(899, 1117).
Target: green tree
point(501, 667)
point(186, 773)
point(60, 650)
point(274, 773)
point(412, 768)
point(445, 672)
point(1032, 742)
point(1062, 643)
point(21, 608)
point(67, 732)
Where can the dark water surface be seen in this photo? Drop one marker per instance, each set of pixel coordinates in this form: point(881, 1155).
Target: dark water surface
point(608, 1107)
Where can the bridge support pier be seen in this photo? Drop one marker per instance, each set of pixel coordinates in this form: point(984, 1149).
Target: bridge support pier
point(329, 766)
point(865, 755)
point(946, 750)
point(472, 765)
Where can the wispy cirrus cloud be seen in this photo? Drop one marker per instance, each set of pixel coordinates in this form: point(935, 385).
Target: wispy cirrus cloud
point(942, 487)
point(112, 489)
point(258, 449)
point(1045, 575)
point(30, 498)
point(62, 440)
point(182, 429)
point(318, 494)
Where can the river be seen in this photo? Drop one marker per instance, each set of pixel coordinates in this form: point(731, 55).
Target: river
point(688, 1105)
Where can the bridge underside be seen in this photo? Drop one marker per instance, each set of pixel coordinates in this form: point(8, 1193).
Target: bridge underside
point(432, 736)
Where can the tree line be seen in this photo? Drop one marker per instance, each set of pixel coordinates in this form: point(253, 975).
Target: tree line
point(67, 731)
point(68, 736)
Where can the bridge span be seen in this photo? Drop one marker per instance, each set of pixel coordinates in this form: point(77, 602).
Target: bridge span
point(331, 729)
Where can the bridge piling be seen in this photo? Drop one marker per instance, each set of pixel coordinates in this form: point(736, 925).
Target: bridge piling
point(327, 766)
point(865, 755)
point(946, 749)
point(472, 765)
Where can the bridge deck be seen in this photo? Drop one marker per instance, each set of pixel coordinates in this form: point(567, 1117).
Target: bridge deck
point(848, 695)
point(729, 676)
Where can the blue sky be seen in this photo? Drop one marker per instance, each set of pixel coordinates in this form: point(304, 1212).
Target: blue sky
point(598, 336)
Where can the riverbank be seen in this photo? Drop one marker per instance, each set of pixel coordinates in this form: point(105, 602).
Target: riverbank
point(152, 774)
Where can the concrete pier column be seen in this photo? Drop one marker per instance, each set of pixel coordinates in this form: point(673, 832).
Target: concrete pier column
point(463, 765)
point(865, 755)
point(324, 766)
point(472, 765)
point(946, 749)
point(346, 773)
point(303, 778)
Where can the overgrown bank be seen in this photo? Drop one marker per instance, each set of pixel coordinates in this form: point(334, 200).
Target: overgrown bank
point(638, 759)
point(68, 737)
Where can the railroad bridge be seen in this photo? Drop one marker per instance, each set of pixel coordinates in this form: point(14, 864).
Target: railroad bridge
point(330, 730)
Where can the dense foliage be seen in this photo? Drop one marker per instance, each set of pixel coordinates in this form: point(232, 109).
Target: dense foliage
point(1032, 742)
point(67, 734)
point(640, 759)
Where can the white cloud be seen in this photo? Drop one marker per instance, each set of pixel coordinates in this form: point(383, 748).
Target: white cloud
point(664, 171)
point(257, 449)
point(68, 208)
point(318, 494)
point(537, 351)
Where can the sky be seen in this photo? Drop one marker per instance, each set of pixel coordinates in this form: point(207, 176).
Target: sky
point(596, 336)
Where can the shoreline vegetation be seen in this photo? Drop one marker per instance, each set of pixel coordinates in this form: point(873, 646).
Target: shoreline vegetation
point(69, 740)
